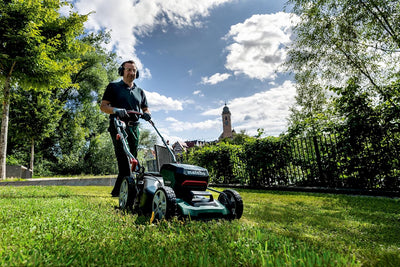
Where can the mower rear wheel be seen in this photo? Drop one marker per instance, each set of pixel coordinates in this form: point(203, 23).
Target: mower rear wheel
point(164, 203)
point(233, 201)
point(127, 193)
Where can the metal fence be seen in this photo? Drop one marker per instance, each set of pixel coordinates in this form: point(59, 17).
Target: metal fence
point(312, 161)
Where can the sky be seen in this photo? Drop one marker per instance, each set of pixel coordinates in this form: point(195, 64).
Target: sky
point(195, 56)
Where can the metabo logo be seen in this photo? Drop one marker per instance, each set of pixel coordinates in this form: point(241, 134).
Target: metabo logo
point(196, 172)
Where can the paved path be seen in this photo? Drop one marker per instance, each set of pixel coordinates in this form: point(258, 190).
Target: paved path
point(63, 181)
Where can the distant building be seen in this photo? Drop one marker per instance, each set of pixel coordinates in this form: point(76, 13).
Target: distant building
point(179, 147)
point(195, 143)
point(227, 131)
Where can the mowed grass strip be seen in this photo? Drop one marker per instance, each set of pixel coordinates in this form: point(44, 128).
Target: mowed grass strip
point(75, 226)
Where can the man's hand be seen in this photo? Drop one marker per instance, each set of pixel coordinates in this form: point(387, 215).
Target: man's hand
point(146, 116)
point(121, 112)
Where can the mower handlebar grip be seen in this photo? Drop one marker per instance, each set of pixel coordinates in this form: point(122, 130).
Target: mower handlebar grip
point(134, 112)
point(140, 114)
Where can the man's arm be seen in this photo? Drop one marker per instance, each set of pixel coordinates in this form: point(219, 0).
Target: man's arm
point(106, 107)
point(146, 110)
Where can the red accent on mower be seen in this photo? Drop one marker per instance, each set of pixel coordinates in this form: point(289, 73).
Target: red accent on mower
point(134, 163)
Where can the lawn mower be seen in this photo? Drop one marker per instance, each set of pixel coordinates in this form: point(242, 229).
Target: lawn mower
point(176, 190)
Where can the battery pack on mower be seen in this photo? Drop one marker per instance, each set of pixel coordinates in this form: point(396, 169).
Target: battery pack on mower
point(185, 176)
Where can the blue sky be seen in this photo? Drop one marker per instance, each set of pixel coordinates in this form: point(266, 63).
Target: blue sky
point(195, 56)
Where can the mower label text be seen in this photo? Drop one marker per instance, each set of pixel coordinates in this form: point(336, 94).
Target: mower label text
point(196, 172)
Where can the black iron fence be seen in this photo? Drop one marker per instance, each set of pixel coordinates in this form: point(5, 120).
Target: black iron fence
point(321, 160)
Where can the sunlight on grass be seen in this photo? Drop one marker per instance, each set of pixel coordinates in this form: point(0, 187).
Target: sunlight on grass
point(80, 226)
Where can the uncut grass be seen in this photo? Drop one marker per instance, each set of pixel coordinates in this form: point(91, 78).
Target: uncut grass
point(80, 226)
point(367, 227)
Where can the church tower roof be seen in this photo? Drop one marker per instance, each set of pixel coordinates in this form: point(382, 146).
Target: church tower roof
point(226, 110)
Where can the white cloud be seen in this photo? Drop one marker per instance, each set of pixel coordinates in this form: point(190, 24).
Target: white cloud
point(129, 19)
point(216, 78)
point(159, 102)
point(180, 126)
point(268, 110)
point(258, 47)
point(198, 93)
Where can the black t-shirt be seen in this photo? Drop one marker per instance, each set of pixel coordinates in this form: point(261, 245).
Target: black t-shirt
point(121, 96)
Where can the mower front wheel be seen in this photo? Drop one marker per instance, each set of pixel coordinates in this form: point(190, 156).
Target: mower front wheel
point(233, 202)
point(127, 193)
point(164, 203)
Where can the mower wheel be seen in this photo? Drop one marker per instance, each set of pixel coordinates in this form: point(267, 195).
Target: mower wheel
point(233, 201)
point(164, 203)
point(127, 193)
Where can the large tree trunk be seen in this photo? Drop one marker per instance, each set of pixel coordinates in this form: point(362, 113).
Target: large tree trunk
point(4, 127)
point(32, 155)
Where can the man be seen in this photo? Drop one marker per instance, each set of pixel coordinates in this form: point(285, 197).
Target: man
point(118, 98)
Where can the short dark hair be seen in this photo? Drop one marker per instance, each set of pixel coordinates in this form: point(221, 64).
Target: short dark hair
point(128, 61)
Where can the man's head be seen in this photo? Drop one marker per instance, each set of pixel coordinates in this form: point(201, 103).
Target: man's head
point(128, 70)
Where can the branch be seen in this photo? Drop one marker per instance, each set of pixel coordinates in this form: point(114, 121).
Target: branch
point(376, 47)
point(395, 37)
point(79, 72)
point(365, 72)
point(385, 24)
point(12, 68)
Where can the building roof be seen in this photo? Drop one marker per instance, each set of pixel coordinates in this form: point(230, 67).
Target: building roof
point(226, 110)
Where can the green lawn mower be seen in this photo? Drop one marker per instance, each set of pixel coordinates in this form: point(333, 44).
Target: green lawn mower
point(176, 190)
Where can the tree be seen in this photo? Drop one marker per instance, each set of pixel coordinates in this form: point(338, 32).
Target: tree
point(341, 39)
point(36, 47)
point(37, 113)
point(311, 113)
point(79, 137)
point(367, 140)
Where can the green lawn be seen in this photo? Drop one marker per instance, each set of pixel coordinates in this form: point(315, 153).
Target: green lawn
point(79, 226)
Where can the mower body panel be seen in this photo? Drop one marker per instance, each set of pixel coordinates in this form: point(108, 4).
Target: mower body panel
point(190, 184)
point(211, 210)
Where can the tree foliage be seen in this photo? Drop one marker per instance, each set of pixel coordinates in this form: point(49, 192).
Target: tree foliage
point(337, 40)
point(35, 115)
point(39, 49)
point(69, 130)
point(345, 59)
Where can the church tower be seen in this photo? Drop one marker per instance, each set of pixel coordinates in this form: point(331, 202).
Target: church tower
point(226, 123)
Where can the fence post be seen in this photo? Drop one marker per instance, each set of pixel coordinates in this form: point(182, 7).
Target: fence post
point(319, 162)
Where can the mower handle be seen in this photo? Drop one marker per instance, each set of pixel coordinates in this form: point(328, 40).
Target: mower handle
point(140, 114)
point(134, 112)
point(159, 134)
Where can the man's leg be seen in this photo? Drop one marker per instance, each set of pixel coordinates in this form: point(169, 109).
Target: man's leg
point(133, 139)
point(123, 164)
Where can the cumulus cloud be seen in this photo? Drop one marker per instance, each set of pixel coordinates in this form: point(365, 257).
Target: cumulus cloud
point(159, 102)
point(258, 48)
point(268, 110)
point(129, 19)
point(198, 93)
point(180, 126)
point(216, 78)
